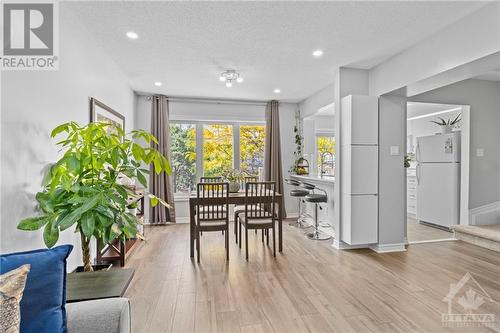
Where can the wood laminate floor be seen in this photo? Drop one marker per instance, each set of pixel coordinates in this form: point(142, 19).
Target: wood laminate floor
point(311, 287)
point(421, 232)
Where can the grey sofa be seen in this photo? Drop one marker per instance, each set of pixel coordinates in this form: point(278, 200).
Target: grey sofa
point(110, 315)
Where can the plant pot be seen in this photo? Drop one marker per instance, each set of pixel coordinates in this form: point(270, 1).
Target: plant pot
point(133, 211)
point(99, 267)
point(445, 129)
point(234, 187)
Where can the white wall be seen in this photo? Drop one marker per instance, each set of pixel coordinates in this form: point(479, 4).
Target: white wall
point(470, 38)
point(33, 103)
point(313, 103)
point(484, 100)
point(190, 111)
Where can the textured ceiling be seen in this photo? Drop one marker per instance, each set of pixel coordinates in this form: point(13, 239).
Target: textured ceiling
point(187, 44)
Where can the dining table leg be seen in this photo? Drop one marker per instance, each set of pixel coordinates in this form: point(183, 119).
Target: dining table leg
point(191, 229)
point(280, 225)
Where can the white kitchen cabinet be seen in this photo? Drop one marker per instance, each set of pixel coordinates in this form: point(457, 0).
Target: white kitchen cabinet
point(363, 164)
point(359, 120)
point(361, 212)
point(359, 170)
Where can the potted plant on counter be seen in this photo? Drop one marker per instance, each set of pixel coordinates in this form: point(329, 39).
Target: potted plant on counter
point(447, 125)
point(81, 190)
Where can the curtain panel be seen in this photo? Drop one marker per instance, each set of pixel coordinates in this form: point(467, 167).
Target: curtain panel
point(161, 185)
point(273, 170)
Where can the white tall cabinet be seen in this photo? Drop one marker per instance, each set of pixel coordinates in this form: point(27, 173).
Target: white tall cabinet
point(359, 165)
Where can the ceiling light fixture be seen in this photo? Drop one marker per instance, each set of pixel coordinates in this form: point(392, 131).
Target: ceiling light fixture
point(158, 83)
point(132, 35)
point(230, 76)
point(317, 53)
point(277, 91)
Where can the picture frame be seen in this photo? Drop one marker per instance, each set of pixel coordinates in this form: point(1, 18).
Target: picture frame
point(100, 112)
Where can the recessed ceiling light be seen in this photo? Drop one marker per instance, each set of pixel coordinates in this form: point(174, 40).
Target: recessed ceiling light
point(132, 35)
point(317, 53)
point(277, 91)
point(158, 83)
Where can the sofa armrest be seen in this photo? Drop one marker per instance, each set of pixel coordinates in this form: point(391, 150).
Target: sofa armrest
point(110, 315)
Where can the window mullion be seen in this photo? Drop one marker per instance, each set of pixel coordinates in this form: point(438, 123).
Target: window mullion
point(236, 146)
point(199, 150)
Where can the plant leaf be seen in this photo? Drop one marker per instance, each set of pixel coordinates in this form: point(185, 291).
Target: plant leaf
point(50, 235)
point(142, 179)
point(33, 223)
point(87, 223)
point(59, 129)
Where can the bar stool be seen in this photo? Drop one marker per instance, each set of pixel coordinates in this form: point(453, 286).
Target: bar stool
point(317, 199)
point(300, 195)
point(312, 187)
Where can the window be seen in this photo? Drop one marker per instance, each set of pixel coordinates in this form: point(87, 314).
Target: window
point(210, 149)
point(325, 152)
point(252, 148)
point(217, 149)
point(183, 156)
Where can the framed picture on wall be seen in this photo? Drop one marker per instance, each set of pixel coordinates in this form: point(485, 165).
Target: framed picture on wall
point(100, 112)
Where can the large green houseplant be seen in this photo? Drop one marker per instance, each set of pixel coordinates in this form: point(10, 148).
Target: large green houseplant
point(81, 188)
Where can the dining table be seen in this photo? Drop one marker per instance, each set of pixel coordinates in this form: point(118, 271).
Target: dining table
point(236, 198)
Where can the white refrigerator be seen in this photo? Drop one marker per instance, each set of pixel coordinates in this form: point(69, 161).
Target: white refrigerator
point(438, 179)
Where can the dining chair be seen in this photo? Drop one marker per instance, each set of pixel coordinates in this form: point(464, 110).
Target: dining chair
point(214, 214)
point(210, 179)
point(260, 208)
point(241, 208)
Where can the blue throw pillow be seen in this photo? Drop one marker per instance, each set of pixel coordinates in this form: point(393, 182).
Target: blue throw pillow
point(42, 305)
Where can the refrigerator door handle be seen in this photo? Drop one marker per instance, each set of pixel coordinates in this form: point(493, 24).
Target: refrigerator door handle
point(418, 173)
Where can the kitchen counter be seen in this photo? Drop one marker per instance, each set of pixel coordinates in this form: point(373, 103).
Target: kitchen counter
point(314, 178)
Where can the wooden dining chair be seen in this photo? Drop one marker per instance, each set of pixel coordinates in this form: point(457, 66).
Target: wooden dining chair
point(241, 208)
point(260, 208)
point(210, 179)
point(214, 214)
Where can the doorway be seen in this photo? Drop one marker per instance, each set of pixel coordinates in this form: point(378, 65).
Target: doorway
point(437, 170)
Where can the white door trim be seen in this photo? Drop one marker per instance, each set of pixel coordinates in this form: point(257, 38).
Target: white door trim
point(464, 166)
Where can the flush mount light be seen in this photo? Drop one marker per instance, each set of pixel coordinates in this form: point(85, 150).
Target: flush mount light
point(277, 91)
point(230, 76)
point(317, 53)
point(132, 35)
point(158, 83)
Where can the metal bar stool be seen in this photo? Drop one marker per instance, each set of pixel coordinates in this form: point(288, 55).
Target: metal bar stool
point(300, 195)
point(312, 187)
point(317, 199)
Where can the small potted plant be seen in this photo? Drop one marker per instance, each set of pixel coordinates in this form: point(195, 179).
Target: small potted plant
point(234, 178)
point(132, 208)
point(81, 190)
point(447, 125)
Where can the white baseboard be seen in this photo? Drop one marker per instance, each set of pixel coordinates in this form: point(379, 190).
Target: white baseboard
point(485, 215)
point(339, 245)
point(386, 248)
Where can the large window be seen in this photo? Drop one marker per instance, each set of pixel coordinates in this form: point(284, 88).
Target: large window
point(211, 149)
point(183, 156)
point(325, 151)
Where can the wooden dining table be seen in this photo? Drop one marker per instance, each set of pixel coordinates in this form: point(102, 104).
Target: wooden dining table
point(237, 198)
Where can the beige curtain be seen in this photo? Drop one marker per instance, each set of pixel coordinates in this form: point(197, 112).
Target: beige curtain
point(273, 170)
point(161, 185)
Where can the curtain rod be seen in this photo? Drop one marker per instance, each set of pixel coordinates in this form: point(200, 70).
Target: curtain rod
point(212, 101)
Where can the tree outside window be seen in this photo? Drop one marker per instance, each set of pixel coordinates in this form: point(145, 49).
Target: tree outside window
point(183, 155)
point(217, 149)
point(252, 148)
